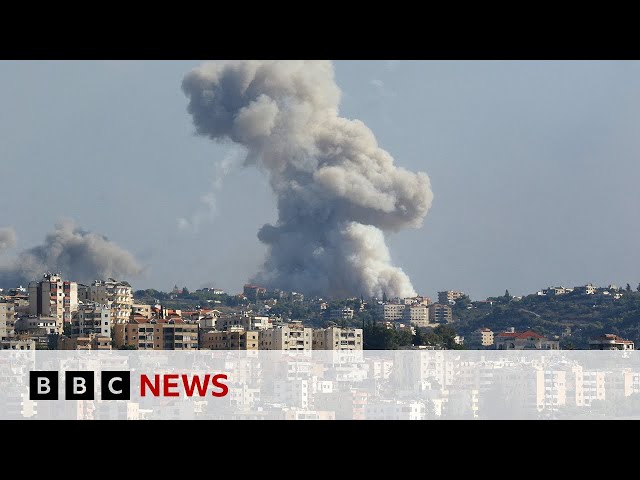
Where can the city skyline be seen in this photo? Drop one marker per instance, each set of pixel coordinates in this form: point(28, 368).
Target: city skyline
point(531, 165)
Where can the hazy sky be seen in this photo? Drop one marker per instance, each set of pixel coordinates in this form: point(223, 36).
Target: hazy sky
point(534, 168)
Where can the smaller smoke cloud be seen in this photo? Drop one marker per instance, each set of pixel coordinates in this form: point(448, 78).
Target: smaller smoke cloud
point(8, 238)
point(209, 200)
point(79, 255)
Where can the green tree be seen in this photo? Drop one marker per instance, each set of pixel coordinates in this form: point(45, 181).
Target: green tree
point(628, 289)
point(507, 295)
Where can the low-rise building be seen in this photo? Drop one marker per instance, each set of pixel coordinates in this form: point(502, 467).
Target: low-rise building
point(390, 312)
point(610, 341)
point(336, 338)
point(482, 337)
point(344, 313)
point(17, 345)
point(528, 340)
point(448, 296)
point(84, 342)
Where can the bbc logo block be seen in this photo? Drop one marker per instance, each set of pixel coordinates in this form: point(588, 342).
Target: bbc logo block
point(80, 385)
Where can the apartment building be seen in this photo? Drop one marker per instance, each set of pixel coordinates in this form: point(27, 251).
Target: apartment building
point(53, 297)
point(417, 315)
point(440, 313)
point(236, 338)
point(390, 312)
point(118, 296)
point(292, 336)
point(91, 318)
point(336, 338)
point(17, 345)
point(160, 334)
point(449, 296)
point(483, 337)
point(7, 311)
point(344, 313)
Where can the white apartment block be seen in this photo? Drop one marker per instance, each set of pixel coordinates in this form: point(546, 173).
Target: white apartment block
point(53, 297)
point(417, 315)
point(248, 322)
point(344, 313)
point(118, 296)
point(336, 338)
point(91, 318)
point(288, 337)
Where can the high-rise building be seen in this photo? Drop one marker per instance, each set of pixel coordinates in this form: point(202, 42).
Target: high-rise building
point(53, 297)
point(118, 296)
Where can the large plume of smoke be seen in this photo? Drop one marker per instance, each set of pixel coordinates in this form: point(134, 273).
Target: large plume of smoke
point(79, 255)
point(8, 238)
point(337, 190)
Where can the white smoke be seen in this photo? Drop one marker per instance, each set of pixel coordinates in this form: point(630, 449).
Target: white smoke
point(79, 255)
point(337, 189)
point(8, 238)
point(209, 199)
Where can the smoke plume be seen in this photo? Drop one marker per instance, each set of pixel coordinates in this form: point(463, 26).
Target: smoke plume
point(8, 238)
point(337, 190)
point(79, 255)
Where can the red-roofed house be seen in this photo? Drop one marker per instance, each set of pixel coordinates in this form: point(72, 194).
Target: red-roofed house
point(609, 341)
point(528, 340)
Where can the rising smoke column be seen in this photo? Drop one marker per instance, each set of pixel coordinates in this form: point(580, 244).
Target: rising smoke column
point(79, 255)
point(337, 190)
point(8, 238)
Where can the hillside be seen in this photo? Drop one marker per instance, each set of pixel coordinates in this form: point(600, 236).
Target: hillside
point(575, 317)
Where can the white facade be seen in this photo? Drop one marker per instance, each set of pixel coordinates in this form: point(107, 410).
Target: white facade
point(417, 315)
point(336, 338)
point(53, 297)
point(344, 313)
point(391, 312)
point(118, 296)
point(91, 318)
point(288, 337)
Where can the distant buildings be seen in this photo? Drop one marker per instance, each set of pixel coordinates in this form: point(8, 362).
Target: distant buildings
point(344, 313)
point(440, 313)
point(235, 338)
point(482, 337)
point(417, 315)
point(390, 312)
point(449, 296)
point(253, 292)
point(336, 338)
point(293, 336)
point(528, 340)
point(118, 296)
point(91, 318)
point(610, 341)
point(158, 334)
point(53, 297)
point(6, 317)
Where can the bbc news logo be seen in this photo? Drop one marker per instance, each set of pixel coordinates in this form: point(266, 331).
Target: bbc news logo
point(116, 385)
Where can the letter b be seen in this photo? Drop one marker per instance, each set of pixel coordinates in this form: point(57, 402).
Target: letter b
point(79, 386)
point(43, 385)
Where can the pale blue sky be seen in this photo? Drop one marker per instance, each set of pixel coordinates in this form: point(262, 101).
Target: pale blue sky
point(534, 167)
